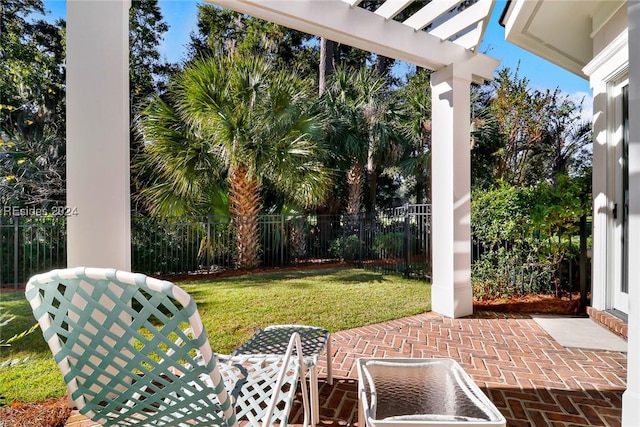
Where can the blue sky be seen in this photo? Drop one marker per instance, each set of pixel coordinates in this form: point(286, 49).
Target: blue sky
point(181, 15)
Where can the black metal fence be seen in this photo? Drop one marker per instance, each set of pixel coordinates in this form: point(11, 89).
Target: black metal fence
point(395, 241)
point(30, 245)
point(537, 263)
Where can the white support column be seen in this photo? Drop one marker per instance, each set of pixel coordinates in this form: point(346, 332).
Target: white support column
point(631, 397)
point(602, 204)
point(451, 293)
point(98, 134)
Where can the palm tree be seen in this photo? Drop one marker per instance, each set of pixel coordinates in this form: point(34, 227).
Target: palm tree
point(416, 95)
point(181, 175)
point(250, 127)
point(365, 130)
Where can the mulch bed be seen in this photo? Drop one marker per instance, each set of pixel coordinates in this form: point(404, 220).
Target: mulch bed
point(533, 303)
point(49, 413)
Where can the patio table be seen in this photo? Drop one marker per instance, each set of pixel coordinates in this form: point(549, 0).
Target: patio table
point(404, 392)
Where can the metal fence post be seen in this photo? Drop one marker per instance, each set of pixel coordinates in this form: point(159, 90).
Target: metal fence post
point(281, 239)
point(407, 232)
point(208, 243)
point(583, 261)
point(15, 251)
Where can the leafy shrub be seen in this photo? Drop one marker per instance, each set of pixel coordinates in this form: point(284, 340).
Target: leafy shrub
point(525, 235)
point(389, 245)
point(510, 271)
point(346, 248)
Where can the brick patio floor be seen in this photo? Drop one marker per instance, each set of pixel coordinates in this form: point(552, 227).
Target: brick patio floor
point(532, 379)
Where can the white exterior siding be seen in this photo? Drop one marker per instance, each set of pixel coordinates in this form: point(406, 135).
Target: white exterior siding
point(631, 397)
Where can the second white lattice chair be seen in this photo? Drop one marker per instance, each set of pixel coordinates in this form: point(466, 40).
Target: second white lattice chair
point(315, 340)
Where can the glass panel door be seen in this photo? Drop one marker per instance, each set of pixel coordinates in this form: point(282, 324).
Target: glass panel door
point(624, 283)
point(621, 251)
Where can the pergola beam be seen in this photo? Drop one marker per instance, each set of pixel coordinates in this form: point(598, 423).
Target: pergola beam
point(337, 20)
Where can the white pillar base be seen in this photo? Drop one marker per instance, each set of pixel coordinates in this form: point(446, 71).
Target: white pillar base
point(452, 302)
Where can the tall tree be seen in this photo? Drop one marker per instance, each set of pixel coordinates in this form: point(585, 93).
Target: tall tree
point(184, 176)
point(327, 62)
point(32, 87)
point(148, 75)
point(527, 135)
point(222, 31)
point(416, 163)
point(32, 107)
point(366, 132)
point(148, 72)
point(566, 138)
point(258, 122)
point(519, 114)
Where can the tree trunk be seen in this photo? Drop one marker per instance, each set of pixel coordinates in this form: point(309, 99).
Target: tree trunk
point(244, 206)
point(354, 185)
point(327, 63)
point(380, 66)
point(372, 180)
point(419, 189)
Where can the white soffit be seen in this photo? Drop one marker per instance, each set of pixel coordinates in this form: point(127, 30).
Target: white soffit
point(431, 34)
point(559, 31)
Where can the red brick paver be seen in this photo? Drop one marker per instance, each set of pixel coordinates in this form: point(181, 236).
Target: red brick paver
point(532, 379)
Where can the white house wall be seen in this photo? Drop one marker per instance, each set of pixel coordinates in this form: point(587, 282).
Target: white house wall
point(613, 60)
point(617, 58)
point(631, 397)
point(606, 32)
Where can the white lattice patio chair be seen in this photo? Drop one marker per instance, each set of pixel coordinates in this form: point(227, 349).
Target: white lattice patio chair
point(315, 341)
point(133, 352)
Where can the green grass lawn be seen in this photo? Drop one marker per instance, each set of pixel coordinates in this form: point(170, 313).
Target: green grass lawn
point(231, 310)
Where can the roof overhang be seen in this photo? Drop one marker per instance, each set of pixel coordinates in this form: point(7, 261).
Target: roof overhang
point(559, 31)
point(438, 34)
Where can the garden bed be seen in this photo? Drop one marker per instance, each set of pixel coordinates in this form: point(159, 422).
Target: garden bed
point(49, 413)
point(532, 303)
